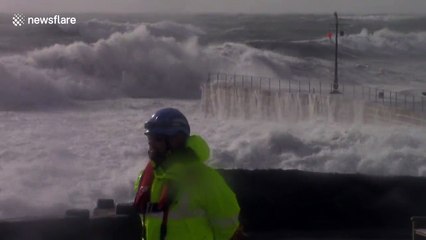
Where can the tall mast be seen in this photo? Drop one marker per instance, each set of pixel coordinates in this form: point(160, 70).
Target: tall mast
point(336, 59)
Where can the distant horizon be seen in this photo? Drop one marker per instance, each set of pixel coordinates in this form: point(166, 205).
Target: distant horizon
point(218, 6)
point(215, 13)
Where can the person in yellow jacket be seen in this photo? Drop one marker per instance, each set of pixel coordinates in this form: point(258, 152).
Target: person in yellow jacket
point(178, 196)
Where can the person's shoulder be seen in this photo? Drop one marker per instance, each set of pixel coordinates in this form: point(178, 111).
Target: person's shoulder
point(197, 172)
point(184, 163)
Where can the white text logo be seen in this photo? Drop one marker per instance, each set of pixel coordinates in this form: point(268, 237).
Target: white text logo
point(19, 20)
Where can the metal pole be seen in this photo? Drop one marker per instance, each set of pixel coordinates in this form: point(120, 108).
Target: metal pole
point(309, 86)
point(390, 98)
point(336, 80)
point(235, 80)
point(251, 82)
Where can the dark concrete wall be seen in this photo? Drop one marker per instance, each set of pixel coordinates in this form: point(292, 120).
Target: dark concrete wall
point(76, 226)
point(275, 203)
point(322, 202)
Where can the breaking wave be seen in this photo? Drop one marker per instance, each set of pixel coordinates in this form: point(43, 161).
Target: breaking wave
point(156, 60)
point(95, 29)
point(387, 41)
point(380, 17)
point(154, 67)
point(165, 59)
point(383, 42)
point(320, 147)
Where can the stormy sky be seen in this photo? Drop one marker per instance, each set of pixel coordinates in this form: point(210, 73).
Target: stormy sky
point(227, 6)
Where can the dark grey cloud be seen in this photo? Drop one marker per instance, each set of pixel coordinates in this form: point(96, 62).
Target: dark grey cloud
point(244, 6)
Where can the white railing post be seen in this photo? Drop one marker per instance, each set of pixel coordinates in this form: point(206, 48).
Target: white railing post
point(375, 97)
point(369, 93)
point(260, 83)
point(242, 81)
point(414, 104)
point(289, 85)
point(309, 86)
point(405, 100)
point(384, 96)
point(279, 85)
point(269, 84)
point(376, 92)
point(299, 85)
point(396, 99)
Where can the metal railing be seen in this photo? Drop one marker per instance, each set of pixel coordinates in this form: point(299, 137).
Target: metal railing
point(382, 96)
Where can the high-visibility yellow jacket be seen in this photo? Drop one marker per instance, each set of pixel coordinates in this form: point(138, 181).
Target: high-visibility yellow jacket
point(203, 208)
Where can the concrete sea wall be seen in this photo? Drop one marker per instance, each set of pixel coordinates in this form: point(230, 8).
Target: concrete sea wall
point(276, 204)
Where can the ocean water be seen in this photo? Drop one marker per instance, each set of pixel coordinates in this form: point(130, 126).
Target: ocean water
point(73, 98)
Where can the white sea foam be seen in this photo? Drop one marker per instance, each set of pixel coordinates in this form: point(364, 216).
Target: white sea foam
point(383, 42)
point(380, 17)
point(70, 158)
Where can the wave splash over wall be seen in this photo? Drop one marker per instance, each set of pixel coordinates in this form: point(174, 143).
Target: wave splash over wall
point(313, 132)
point(320, 147)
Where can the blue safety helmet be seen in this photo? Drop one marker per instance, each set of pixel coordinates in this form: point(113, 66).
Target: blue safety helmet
point(168, 122)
